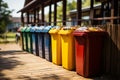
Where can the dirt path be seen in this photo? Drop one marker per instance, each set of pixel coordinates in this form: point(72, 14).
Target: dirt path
point(18, 65)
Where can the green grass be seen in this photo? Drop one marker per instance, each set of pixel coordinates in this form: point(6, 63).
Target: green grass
point(10, 37)
point(10, 34)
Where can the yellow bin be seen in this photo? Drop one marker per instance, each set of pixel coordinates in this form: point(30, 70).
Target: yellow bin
point(68, 54)
point(56, 45)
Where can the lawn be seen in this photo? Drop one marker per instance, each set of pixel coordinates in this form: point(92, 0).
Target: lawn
point(10, 34)
point(7, 37)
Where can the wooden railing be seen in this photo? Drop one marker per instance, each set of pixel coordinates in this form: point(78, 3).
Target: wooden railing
point(111, 49)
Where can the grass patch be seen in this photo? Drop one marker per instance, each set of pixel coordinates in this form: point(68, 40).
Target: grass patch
point(7, 37)
point(10, 34)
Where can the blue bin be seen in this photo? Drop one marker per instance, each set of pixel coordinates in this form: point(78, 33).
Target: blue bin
point(34, 40)
point(40, 44)
point(47, 43)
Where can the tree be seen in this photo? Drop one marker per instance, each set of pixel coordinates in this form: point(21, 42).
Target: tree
point(70, 6)
point(86, 3)
point(4, 16)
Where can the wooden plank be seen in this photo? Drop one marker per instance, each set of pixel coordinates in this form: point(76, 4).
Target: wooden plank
point(112, 10)
point(108, 48)
point(79, 11)
point(116, 10)
point(102, 9)
point(118, 45)
point(105, 40)
point(55, 13)
point(34, 16)
point(91, 11)
point(28, 18)
point(50, 12)
point(64, 11)
point(42, 16)
point(38, 18)
point(114, 50)
point(22, 18)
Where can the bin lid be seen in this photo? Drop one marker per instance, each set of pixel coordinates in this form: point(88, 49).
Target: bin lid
point(66, 30)
point(40, 29)
point(33, 28)
point(28, 29)
point(88, 31)
point(46, 29)
point(23, 29)
point(55, 30)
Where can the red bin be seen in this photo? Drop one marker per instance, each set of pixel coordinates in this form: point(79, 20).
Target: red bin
point(88, 48)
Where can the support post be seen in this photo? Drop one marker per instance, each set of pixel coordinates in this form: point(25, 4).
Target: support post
point(22, 18)
point(28, 18)
point(116, 11)
point(91, 11)
point(64, 11)
point(55, 13)
point(31, 17)
point(50, 12)
point(34, 16)
point(79, 11)
point(38, 18)
point(42, 15)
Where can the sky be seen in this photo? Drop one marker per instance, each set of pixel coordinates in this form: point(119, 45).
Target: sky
point(15, 5)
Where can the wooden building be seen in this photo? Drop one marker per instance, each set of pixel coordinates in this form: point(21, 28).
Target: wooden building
point(109, 12)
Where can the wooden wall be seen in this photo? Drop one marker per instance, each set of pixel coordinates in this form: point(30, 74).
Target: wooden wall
point(111, 50)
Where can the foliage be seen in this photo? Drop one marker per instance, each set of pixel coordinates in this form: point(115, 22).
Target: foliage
point(86, 3)
point(71, 5)
point(4, 16)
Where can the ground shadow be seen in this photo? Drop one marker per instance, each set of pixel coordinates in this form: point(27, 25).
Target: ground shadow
point(12, 52)
point(8, 63)
point(110, 57)
point(44, 77)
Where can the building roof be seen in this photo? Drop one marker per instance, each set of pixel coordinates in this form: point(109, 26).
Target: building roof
point(36, 3)
point(16, 19)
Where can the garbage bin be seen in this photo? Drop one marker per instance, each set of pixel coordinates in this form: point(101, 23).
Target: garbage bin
point(24, 38)
point(21, 40)
point(56, 45)
point(29, 39)
point(67, 42)
point(40, 44)
point(34, 40)
point(47, 43)
point(88, 50)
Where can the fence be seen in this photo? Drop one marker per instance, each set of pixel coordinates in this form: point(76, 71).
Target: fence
point(111, 51)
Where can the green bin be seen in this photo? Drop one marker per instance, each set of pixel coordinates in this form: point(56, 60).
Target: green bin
point(24, 38)
point(28, 39)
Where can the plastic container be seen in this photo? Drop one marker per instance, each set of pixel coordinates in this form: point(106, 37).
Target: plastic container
point(88, 48)
point(24, 39)
point(34, 40)
point(29, 39)
point(21, 38)
point(47, 43)
point(40, 44)
point(56, 45)
point(67, 42)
